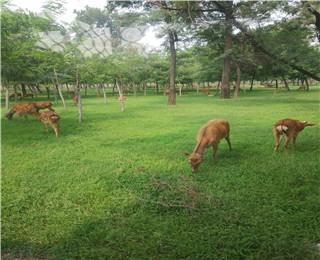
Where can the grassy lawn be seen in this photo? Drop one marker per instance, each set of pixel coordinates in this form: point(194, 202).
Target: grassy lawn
point(118, 186)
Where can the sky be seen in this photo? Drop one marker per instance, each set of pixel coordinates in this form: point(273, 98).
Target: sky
point(150, 39)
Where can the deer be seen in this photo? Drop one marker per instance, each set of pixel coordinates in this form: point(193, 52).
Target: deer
point(50, 118)
point(43, 105)
point(15, 95)
point(290, 128)
point(22, 109)
point(28, 95)
point(75, 100)
point(209, 134)
point(206, 90)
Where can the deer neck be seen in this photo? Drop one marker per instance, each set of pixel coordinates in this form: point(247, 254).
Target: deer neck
point(200, 147)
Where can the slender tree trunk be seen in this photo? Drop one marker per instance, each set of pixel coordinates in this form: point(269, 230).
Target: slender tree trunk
point(59, 89)
point(252, 80)
point(285, 83)
point(48, 92)
point(307, 84)
point(23, 89)
point(79, 104)
point(15, 93)
point(104, 94)
point(225, 81)
point(121, 97)
point(172, 73)
point(277, 84)
point(7, 98)
point(237, 89)
point(38, 88)
point(144, 88)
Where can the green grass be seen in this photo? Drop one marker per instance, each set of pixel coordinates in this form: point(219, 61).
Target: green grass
point(118, 186)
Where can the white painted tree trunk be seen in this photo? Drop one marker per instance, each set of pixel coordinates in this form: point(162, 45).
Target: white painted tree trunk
point(121, 98)
point(104, 94)
point(59, 89)
point(7, 98)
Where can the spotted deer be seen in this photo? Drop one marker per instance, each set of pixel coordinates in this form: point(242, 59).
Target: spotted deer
point(43, 105)
point(50, 118)
point(290, 128)
point(209, 135)
point(22, 109)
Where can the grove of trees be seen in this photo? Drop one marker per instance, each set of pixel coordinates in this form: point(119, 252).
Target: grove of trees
point(205, 41)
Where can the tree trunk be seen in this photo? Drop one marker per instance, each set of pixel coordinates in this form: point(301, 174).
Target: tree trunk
point(144, 88)
point(79, 104)
point(48, 92)
point(225, 81)
point(172, 72)
point(23, 89)
point(307, 84)
point(58, 89)
point(252, 79)
point(15, 93)
point(104, 93)
point(237, 89)
point(276, 84)
point(38, 88)
point(7, 98)
point(121, 98)
point(285, 83)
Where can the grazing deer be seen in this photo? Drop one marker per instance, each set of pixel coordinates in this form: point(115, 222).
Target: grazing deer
point(209, 135)
point(43, 105)
point(22, 109)
point(50, 118)
point(14, 95)
point(75, 100)
point(290, 128)
point(206, 90)
point(28, 95)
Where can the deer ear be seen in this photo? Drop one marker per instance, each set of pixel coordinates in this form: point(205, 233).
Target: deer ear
point(308, 124)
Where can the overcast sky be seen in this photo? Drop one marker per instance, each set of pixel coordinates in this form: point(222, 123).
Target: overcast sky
point(68, 16)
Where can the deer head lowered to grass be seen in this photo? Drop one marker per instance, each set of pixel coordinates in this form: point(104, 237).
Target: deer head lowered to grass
point(50, 118)
point(209, 135)
point(290, 128)
point(22, 109)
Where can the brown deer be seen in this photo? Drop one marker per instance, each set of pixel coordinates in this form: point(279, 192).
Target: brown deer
point(14, 95)
point(75, 100)
point(50, 118)
point(22, 109)
point(209, 135)
point(27, 95)
point(290, 128)
point(206, 90)
point(43, 105)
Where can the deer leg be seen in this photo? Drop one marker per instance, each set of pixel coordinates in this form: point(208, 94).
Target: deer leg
point(278, 141)
point(45, 127)
point(214, 151)
point(294, 139)
point(56, 130)
point(288, 139)
point(277, 138)
point(229, 143)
